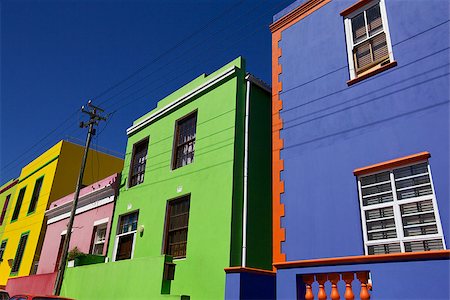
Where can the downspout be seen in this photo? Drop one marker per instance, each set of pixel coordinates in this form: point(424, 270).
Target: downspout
point(244, 212)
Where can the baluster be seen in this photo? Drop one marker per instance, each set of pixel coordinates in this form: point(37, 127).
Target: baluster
point(321, 279)
point(348, 278)
point(308, 280)
point(334, 279)
point(362, 277)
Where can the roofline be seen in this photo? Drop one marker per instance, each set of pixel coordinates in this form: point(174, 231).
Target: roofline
point(9, 186)
point(258, 82)
point(297, 14)
point(181, 100)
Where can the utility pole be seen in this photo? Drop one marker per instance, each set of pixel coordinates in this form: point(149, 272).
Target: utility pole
point(94, 118)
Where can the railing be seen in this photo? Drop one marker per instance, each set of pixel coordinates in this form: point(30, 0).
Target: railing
point(334, 278)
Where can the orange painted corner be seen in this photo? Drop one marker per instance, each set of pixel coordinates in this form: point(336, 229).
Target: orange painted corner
point(393, 163)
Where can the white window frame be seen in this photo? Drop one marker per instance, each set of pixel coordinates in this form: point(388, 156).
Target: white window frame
point(99, 225)
point(395, 204)
point(118, 236)
point(349, 34)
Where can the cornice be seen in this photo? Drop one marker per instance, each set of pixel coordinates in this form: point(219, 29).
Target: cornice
point(297, 14)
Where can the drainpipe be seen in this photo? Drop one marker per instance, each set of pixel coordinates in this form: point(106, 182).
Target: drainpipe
point(244, 212)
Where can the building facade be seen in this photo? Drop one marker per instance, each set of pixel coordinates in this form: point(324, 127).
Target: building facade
point(90, 234)
point(360, 149)
point(6, 194)
point(49, 177)
point(194, 197)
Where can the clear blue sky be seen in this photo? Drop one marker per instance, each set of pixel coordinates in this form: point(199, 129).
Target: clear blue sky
point(55, 55)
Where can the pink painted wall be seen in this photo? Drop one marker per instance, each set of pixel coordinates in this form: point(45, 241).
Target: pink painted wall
point(36, 284)
point(82, 229)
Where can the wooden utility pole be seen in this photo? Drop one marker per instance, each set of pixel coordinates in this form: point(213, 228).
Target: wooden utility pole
point(94, 118)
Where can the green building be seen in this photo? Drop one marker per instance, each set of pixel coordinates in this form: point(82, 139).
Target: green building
point(195, 195)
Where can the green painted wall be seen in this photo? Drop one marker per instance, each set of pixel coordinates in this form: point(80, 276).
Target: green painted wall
point(215, 182)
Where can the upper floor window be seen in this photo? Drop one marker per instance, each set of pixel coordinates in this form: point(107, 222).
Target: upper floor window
point(5, 207)
point(18, 204)
point(2, 249)
point(138, 161)
point(98, 240)
point(35, 197)
point(399, 211)
point(125, 237)
point(368, 42)
point(183, 152)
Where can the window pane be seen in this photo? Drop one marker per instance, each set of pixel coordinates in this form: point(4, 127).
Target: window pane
point(358, 28)
point(177, 227)
point(379, 47)
point(185, 141)
point(420, 230)
point(384, 249)
point(415, 192)
point(2, 249)
point(18, 204)
point(128, 223)
point(423, 245)
point(379, 213)
point(19, 253)
point(5, 207)
point(124, 247)
point(388, 234)
point(381, 224)
point(363, 55)
point(374, 19)
point(411, 170)
point(375, 178)
point(35, 197)
point(138, 162)
point(416, 207)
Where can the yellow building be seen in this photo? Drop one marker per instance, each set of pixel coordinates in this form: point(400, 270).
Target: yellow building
point(6, 195)
point(49, 177)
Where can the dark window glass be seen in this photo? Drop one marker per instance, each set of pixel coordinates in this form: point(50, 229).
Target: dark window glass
point(2, 249)
point(5, 207)
point(60, 250)
point(177, 227)
point(137, 169)
point(36, 192)
point(18, 204)
point(19, 253)
point(124, 247)
point(128, 223)
point(126, 231)
point(185, 141)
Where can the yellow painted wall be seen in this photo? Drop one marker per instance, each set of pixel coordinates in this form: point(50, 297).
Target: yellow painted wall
point(60, 166)
point(5, 191)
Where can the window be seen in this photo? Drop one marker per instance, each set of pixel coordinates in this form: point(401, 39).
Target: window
point(18, 204)
point(5, 207)
point(368, 41)
point(138, 160)
point(399, 211)
point(60, 251)
point(126, 234)
point(35, 197)
point(2, 249)
point(19, 253)
point(184, 141)
point(98, 241)
point(176, 231)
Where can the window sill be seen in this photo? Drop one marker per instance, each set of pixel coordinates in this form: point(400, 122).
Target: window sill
point(372, 73)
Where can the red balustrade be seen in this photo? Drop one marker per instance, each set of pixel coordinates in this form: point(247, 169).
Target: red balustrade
point(334, 278)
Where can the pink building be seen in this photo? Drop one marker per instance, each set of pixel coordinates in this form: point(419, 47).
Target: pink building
point(90, 233)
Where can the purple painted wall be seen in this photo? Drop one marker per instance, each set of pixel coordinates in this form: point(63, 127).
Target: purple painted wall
point(330, 129)
point(83, 224)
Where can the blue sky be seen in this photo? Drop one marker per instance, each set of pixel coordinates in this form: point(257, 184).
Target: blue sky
point(56, 55)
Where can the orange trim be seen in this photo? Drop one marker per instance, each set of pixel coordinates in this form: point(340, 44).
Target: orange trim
point(427, 255)
point(248, 270)
point(297, 14)
point(372, 73)
point(392, 163)
point(9, 186)
point(277, 145)
point(354, 7)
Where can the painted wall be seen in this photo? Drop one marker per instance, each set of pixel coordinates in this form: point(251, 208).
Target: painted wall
point(6, 191)
point(393, 280)
point(248, 285)
point(83, 225)
point(41, 284)
point(213, 180)
point(329, 129)
point(59, 166)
